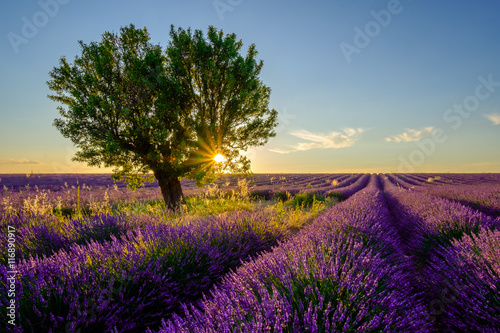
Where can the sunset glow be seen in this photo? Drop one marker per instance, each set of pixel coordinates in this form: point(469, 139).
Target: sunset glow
point(219, 158)
point(380, 92)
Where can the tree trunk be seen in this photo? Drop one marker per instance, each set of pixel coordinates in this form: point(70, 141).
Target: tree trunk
point(171, 189)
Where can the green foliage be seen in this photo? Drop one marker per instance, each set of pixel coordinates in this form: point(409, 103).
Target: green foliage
point(431, 179)
point(230, 194)
point(337, 195)
point(129, 104)
point(260, 195)
point(282, 196)
point(214, 206)
point(229, 106)
point(299, 210)
point(133, 180)
point(306, 199)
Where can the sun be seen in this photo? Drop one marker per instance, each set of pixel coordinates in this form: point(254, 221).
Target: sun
point(219, 158)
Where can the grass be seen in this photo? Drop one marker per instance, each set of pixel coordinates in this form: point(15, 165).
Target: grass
point(301, 209)
point(289, 211)
point(215, 206)
point(294, 212)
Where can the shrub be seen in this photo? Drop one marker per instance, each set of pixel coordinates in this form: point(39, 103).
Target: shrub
point(282, 196)
point(261, 195)
point(306, 199)
point(338, 195)
point(229, 194)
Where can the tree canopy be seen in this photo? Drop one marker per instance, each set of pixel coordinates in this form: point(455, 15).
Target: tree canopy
point(127, 103)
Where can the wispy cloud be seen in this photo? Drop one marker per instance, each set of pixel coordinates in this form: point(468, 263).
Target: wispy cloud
point(334, 140)
point(14, 161)
point(411, 135)
point(494, 118)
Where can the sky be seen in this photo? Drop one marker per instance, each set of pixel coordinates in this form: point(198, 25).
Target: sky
point(360, 86)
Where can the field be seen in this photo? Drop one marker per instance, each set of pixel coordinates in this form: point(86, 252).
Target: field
point(269, 253)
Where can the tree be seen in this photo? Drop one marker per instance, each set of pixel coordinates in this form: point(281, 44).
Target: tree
point(128, 104)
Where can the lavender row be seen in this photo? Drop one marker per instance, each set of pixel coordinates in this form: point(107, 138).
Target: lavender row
point(480, 196)
point(341, 190)
point(346, 186)
point(43, 235)
point(458, 256)
point(442, 218)
point(128, 283)
point(485, 198)
point(402, 181)
point(61, 182)
point(325, 187)
point(343, 273)
point(427, 179)
point(466, 279)
point(343, 187)
point(351, 188)
point(458, 179)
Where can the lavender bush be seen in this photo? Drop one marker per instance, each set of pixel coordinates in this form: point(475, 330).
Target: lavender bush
point(128, 283)
point(401, 253)
point(342, 273)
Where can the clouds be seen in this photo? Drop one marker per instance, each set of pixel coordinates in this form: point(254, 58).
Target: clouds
point(494, 118)
point(19, 161)
point(412, 135)
point(346, 138)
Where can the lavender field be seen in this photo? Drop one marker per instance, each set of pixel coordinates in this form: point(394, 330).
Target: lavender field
point(269, 253)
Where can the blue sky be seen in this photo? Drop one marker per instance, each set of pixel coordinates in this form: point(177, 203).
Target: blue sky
point(365, 86)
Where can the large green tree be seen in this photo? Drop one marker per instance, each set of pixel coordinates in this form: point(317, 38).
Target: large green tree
point(129, 104)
